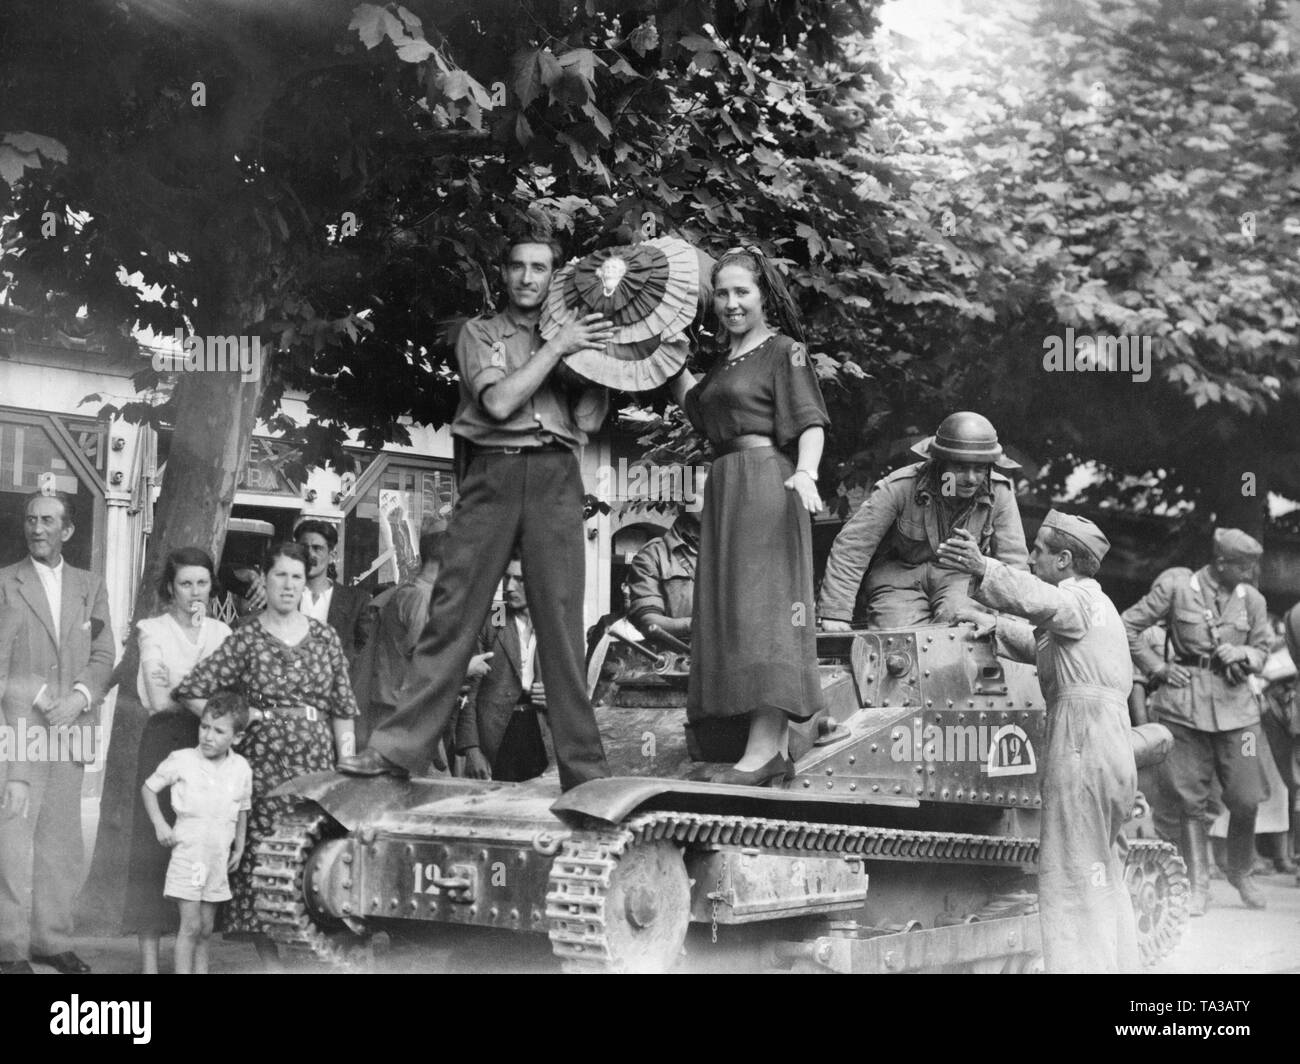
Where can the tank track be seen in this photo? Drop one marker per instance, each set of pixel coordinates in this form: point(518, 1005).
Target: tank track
point(278, 882)
point(581, 871)
point(580, 874)
point(1161, 914)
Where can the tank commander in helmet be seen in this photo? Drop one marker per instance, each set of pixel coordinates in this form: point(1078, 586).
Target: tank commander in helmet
point(895, 535)
point(1089, 778)
point(1218, 636)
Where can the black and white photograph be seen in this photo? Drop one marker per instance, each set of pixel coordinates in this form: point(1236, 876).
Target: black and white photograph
point(668, 487)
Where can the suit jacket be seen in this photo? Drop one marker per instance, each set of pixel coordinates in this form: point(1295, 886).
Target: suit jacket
point(492, 698)
point(31, 655)
point(349, 619)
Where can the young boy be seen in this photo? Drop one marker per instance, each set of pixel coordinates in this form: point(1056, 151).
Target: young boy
point(212, 794)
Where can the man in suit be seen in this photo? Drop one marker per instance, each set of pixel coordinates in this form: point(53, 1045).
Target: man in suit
point(343, 608)
point(56, 657)
point(512, 686)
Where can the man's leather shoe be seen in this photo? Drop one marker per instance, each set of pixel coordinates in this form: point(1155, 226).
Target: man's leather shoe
point(370, 762)
point(67, 963)
point(15, 968)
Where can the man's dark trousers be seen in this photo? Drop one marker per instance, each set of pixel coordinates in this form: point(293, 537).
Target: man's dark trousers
point(533, 498)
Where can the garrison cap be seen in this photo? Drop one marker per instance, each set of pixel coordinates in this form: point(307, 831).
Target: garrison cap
point(1080, 528)
point(1232, 544)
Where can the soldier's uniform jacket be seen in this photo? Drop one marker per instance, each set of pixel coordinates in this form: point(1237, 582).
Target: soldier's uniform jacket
point(487, 350)
point(662, 578)
point(900, 521)
point(1200, 614)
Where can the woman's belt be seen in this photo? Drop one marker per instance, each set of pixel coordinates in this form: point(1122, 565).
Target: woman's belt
point(748, 442)
point(301, 712)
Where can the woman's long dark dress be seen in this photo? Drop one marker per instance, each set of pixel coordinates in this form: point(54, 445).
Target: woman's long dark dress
point(270, 673)
point(753, 626)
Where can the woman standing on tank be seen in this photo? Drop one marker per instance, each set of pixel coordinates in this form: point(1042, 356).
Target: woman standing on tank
point(754, 643)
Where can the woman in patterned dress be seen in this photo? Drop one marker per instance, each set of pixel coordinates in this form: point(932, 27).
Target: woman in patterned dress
point(171, 644)
point(292, 671)
point(753, 634)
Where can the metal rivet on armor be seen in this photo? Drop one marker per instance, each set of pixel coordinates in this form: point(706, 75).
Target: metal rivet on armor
point(410, 850)
point(916, 768)
point(930, 769)
point(482, 855)
point(853, 786)
point(889, 642)
point(944, 793)
point(347, 906)
point(347, 858)
point(830, 784)
point(960, 716)
point(986, 796)
point(898, 790)
point(393, 903)
point(1000, 797)
point(807, 783)
point(853, 758)
point(537, 915)
point(1011, 702)
point(950, 703)
point(952, 635)
point(830, 772)
point(522, 858)
point(983, 716)
point(868, 703)
point(494, 912)
point(347, 884)
point(970, 701)
point(473, 910)
point(927, 672)
point(875, 788)
point(414, 904)
point(920, 790)
point(1011, 938)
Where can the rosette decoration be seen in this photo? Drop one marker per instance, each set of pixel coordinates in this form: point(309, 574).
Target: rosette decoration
point(651, 291)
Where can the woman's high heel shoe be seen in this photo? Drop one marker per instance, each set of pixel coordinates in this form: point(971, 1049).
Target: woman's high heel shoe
point(777, 770)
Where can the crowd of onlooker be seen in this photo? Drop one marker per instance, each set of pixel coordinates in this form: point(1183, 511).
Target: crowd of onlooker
point(310, 667)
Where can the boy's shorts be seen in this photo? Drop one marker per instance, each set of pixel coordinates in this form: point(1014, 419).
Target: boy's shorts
point(197, 872)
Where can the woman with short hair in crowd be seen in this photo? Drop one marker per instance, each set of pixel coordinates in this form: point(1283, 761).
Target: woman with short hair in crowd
point(171, 645)
point(291, 669)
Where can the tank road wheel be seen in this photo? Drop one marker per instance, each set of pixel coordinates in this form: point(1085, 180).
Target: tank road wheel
point(616, 905)
point(284, 859)
point(1157, 882)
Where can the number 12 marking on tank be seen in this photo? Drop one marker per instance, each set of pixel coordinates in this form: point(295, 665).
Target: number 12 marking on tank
point(426, 877)
point(1011, 753)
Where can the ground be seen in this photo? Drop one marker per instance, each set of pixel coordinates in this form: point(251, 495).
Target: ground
point(1229, 939)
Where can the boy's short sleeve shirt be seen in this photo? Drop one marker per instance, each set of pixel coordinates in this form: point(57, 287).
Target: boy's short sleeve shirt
point(202, 789)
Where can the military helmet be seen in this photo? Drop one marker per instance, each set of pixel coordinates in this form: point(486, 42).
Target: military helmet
point(965, 437)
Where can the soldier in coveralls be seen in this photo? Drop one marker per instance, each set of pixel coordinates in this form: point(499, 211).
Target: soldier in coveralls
point(522, 428)
point(1218, 635)
point(894, 537)
point(1089, 779)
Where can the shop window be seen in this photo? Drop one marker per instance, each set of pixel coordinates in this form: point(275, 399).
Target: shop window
point(29, 450)
point(394, 504)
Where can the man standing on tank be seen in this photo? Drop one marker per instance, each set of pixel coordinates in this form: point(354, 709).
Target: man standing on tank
point(522, 428)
